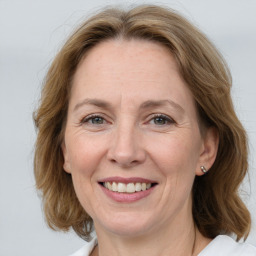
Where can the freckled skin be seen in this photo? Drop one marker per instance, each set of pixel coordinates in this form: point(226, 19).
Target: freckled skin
point(128, 141)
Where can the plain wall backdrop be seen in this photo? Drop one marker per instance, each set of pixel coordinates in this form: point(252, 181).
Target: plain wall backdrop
point(31, 32)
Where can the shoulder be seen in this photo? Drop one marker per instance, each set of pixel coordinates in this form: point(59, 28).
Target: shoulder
point(225, 245)
point(86, 249)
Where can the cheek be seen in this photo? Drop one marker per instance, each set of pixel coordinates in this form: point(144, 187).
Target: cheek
point(84, 158)
point(175, 153)
point(84, 154)
point(176, 159)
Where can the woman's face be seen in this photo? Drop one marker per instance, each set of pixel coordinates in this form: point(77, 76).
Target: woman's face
point(132, 126)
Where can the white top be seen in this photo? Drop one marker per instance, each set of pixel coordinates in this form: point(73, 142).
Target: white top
point(220, 246)
point(225, 246)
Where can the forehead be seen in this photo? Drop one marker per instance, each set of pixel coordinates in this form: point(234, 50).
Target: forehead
point(128, 56)
point(134, 69)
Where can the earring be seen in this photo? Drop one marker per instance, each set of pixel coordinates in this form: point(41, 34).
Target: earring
point(203, 169)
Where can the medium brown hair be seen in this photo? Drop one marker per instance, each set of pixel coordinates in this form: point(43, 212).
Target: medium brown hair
point(217, 207)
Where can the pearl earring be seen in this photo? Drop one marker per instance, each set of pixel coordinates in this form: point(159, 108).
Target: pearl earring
point(203, 169)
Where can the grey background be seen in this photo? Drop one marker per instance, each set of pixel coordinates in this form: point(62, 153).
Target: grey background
point(31, 32)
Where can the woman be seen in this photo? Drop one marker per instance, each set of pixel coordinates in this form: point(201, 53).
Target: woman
point(138, 139)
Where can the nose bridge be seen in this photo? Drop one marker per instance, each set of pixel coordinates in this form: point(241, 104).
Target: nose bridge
point(126, 148)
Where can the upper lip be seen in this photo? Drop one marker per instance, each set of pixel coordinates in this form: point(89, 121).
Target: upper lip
point(126, 180)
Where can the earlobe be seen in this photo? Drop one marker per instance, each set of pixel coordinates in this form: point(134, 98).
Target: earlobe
point(209, 151)
point(66, 164)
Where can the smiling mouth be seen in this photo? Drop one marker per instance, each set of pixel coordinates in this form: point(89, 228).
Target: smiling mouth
point(127, 188)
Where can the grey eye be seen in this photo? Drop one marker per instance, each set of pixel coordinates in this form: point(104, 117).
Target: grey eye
point(97, 120)
point(160, 120)
point(93, 119)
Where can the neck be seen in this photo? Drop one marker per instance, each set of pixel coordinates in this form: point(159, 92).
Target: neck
point(182, 240)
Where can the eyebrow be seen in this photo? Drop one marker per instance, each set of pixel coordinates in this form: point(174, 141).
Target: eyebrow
point(95, 102)
point(160, 103)
point(145, 105)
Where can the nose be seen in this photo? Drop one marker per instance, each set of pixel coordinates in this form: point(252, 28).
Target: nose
point(126, 148)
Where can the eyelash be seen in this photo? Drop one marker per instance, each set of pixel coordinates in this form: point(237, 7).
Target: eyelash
point(167, 120)
point(90, 118)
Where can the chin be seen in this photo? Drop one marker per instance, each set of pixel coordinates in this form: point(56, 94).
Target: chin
point(126, 224)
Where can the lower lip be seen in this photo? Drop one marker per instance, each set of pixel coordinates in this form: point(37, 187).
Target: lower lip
point(127, 197)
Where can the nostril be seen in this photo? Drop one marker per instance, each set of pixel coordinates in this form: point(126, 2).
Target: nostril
point(124, 162)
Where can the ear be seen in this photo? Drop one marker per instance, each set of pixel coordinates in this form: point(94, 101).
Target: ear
point(209, 150)
point(66, 164)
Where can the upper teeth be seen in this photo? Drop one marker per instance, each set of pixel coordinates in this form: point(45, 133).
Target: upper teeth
point(128, 188)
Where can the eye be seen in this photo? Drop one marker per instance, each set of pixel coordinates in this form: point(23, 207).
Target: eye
point(161, 120)
point(93, 120)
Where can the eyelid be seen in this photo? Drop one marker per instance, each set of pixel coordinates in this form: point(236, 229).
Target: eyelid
point(164, 116)
point(87, 118)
